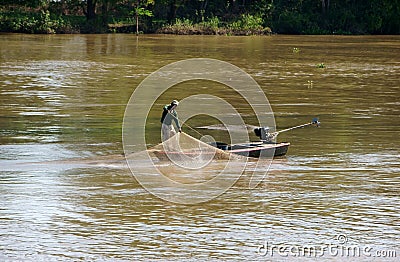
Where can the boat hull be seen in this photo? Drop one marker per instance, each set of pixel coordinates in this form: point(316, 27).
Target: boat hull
point(255, 150)
point(260, 149)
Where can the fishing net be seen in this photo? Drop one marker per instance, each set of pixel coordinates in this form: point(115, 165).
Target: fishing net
point(184, 169)
point(183, 147)
point(183, 159)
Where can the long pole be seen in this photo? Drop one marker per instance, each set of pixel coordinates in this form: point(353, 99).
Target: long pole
point(314, 122)
point(183, 123)
point(291, 128)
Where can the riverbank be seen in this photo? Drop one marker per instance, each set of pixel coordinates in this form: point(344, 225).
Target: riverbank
point(245, 25)
point(262, 17)
point(46, 23)
point(186, 27)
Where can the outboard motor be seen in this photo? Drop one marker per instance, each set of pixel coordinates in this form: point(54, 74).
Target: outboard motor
point(263, 134)
point(267, 137)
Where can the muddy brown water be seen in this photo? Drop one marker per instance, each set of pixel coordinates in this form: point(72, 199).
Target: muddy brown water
point(63, 97)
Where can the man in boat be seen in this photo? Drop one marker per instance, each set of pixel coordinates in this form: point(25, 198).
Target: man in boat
point(169, 114)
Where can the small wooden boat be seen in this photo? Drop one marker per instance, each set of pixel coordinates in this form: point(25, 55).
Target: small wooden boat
point(255, 149)
point(265, 148)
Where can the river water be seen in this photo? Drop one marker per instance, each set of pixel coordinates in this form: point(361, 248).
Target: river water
point(62, 102)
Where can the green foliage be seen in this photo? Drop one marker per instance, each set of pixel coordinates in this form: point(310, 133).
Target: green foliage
point(203, 16)
point(247, 22)
point(38, 23)
point(336, 17)
point(213, 23)
point(180, 27)
point(141, 11)
point(246, 25)
point(296, 50)
point(184, 23)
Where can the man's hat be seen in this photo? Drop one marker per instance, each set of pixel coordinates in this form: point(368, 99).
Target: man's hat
point(174, 102)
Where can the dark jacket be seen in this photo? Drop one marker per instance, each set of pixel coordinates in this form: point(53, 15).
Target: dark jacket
point(167, 118)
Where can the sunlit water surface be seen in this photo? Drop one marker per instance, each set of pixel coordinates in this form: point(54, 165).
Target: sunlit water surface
point(66, 193)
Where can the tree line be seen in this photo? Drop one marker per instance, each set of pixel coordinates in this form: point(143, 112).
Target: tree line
point(202, 16)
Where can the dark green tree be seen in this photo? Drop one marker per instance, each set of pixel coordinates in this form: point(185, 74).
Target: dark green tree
point(141, 8)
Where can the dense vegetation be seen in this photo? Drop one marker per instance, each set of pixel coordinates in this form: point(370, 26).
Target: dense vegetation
point(237, 17)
